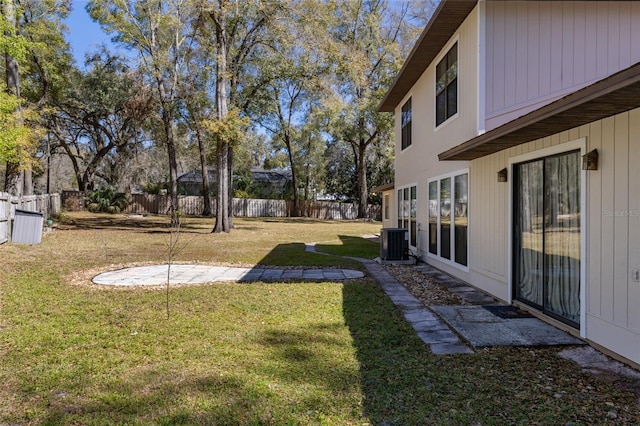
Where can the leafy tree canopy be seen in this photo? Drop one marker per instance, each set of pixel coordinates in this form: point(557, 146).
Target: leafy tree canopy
point(17, 135)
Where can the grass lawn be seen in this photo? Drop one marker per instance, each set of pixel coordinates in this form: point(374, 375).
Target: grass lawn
point(250, 354)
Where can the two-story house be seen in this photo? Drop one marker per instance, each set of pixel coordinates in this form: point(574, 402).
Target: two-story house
point(518, 158)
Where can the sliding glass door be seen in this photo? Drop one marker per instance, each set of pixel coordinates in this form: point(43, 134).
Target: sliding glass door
point(547, 235)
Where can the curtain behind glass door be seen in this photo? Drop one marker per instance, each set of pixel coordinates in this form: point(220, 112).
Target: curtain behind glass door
point(529, 235)
point(413, 217)
point(547, 235)
point(433, 217)
point(445, 218)
point(460, 218)
point(562, 235)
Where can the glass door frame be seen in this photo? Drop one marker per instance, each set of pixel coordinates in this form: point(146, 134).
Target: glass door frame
point(578, 144)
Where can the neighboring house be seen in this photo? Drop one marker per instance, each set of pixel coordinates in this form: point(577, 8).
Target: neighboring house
point(500, 109)
point(268, 184)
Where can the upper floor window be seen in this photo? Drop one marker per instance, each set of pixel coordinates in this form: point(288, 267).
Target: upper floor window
point(406, 124)
point(447, 86)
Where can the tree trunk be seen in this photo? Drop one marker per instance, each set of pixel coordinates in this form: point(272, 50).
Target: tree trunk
point(306, 186)
point(74, 163)
point(307, 180)
point(85, 183)
point(167, 120)
point(222, 146)
point(363, 191)
point(13, 179)
point(14, 176)
point(222, 208)
point(205, 173)
point(230, 187)
point(27, 182)
point(294, 177)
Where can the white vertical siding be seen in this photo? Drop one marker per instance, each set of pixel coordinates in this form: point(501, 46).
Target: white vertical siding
point(392, 221)
point(613, 316)
point(540, 51)
point(496, 52)
point(579, 48)
point(608, 223)
point(621, 227)
point(633, 301)
point(522, 68)
point(543, 67)
point(554, 57)
point(625, 39)
point(534, 34)
point(594, 227)
point(486, 222)
point(567, 36)
point(510, 54)
point(611, 222)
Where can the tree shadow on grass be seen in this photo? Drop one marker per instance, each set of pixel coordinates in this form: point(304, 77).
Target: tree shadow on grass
point(394, 363)
point(395, 368)
point(119, 222)
point(159, 397)
point(293, 220)
point(310, 357)
point(295, 254)
point(350, 246)
point(386, 383)
point(310, 363)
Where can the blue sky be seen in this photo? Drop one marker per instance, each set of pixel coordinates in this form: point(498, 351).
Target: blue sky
point(84, 34)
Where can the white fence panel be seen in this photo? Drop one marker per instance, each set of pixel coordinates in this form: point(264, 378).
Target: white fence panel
point(246, 207)
point(242, 207)
point(48, 204)
point(5, 214)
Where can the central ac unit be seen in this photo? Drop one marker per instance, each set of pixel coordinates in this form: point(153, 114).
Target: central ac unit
point(394, 244)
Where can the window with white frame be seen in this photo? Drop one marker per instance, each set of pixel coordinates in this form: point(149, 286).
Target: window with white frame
point(447, 86)
point(448, 217)
point(407, 212)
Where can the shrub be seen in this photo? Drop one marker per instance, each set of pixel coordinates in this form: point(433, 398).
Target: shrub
point(106, 200)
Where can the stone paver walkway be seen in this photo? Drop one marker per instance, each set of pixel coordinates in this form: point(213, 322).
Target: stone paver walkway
point(427, 325)
point(154, 275)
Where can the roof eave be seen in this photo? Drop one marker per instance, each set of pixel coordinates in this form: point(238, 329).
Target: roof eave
point(613, 95)
point(383, 188)
point(445, 21)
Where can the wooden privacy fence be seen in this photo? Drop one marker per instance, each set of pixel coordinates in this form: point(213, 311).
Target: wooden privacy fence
point(242, 207)
point(48, 205)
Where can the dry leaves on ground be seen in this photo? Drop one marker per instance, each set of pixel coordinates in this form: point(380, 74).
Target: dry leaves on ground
point(425, 289)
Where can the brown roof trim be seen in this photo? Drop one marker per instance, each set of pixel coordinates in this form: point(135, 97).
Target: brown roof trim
point(615, 94)
point(445, 21)
point(382, 188)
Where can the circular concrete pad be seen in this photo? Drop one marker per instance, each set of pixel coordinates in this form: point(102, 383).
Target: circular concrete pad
point(154, 275)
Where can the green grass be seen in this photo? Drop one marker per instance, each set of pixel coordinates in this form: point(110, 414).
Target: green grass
point(351, 246)
point(250, 354)
point(225, 357)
